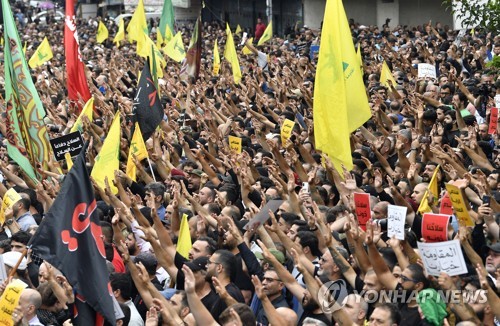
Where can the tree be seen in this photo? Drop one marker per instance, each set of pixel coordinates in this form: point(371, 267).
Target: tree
point(477, 13)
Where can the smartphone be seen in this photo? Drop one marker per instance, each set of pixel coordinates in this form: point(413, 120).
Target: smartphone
point(486, 200)
point(424, 140)
point(305, 187)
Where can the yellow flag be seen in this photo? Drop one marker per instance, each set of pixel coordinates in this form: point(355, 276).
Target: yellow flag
point(238, 29)
point(138, 25)
point(286, 130)
point(69, 160)
point(360, 59)
point(246, 50)
point(108, 159)
point(24, 47)
point(175, 48)
point(145, 48)
point(433, 187)
point(42, 54)
point(168, 35)
point(102, 33)
point(88, 111)
point(216, 65)
point(137, 148)
point(386, 75)
point(338, 80)
point(231, 56)
point(268, 34)
point(159, 39)
point(184, 243)
point(120, 34)
point(235, 144)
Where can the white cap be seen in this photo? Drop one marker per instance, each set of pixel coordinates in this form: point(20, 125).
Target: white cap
point(12, 257)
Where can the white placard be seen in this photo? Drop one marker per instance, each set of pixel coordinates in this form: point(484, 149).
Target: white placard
point(444, 256)
point(426, 70)
point(396, 217)
point(497, 101)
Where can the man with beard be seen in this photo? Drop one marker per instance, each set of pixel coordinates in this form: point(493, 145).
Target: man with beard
point(450, 127)
point(411, 281)
point(21, 213)
point(194, 180)
point(221, 271)
point(429, 169)
point(310, 308)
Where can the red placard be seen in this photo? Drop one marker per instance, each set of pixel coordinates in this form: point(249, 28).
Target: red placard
point(446, 205)
point(492, 129)
point(363, 211)
point(435, 227)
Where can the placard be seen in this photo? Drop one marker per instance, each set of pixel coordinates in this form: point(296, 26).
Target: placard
point(446, 207)
point(10, 300)
point(435, 227)
point(71, 143)
point(286, 130)
point(363, 210)
point(461, 211)
point(443, 257)
point(263, 215)
point(426, 70)
point(396, 217)
point(235, 144)
point(492, 128)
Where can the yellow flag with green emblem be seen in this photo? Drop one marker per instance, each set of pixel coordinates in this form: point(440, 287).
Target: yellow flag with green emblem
point(268, 34)
point(339, 81)
point(42, 54)
point(137, 149)
point(231, 56)
point(386, 76)
point(175, 48)
point(138, 25)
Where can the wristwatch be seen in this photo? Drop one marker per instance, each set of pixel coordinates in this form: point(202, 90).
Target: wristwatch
point(9, 222)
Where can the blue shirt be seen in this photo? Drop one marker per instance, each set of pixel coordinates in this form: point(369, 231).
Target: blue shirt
point(25, 221)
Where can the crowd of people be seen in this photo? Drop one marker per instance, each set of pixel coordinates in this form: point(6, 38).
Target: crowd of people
point(274, 273)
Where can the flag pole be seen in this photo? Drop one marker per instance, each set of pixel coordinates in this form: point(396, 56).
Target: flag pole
point(151, 168)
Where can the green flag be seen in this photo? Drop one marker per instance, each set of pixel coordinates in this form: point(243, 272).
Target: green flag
point(28, 141)
point(167, 18)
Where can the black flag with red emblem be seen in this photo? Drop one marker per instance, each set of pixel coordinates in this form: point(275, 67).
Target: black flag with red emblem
point(70, 238)
point(147, 109)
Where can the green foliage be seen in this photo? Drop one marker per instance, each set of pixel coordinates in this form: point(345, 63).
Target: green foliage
point(475, 13)
point(494, 64)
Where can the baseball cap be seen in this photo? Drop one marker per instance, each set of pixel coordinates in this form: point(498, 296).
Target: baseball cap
point(12, 257)
point(198, 264)
point(197, 172)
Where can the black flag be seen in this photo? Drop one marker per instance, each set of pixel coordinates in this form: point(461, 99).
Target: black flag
point(70, 238)
point(147, 109)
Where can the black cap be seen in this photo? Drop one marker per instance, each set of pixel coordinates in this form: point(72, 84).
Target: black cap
point(198, 264)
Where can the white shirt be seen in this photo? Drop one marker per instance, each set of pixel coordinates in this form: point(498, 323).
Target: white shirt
point(135, 317)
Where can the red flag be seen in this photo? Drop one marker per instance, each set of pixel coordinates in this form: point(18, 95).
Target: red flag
point(77, 83)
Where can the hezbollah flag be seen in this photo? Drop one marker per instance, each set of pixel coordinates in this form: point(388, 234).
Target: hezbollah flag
point(175, 48)
point(231, 56)
point(108, 160)
point(147, 110)
point(28, 141)
point(245, 49)
point(102, 32)
point(70, 238)
point(216, 64)
point(167, 19)
point(386, 76)
point(120, 34)
point(87, 111)
point(339, 81)
point(138, 25)
point(137, 148)
point(268, 34)
point(147, 49)
point(191, 66)
point(433, 187)
point(42, 54)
